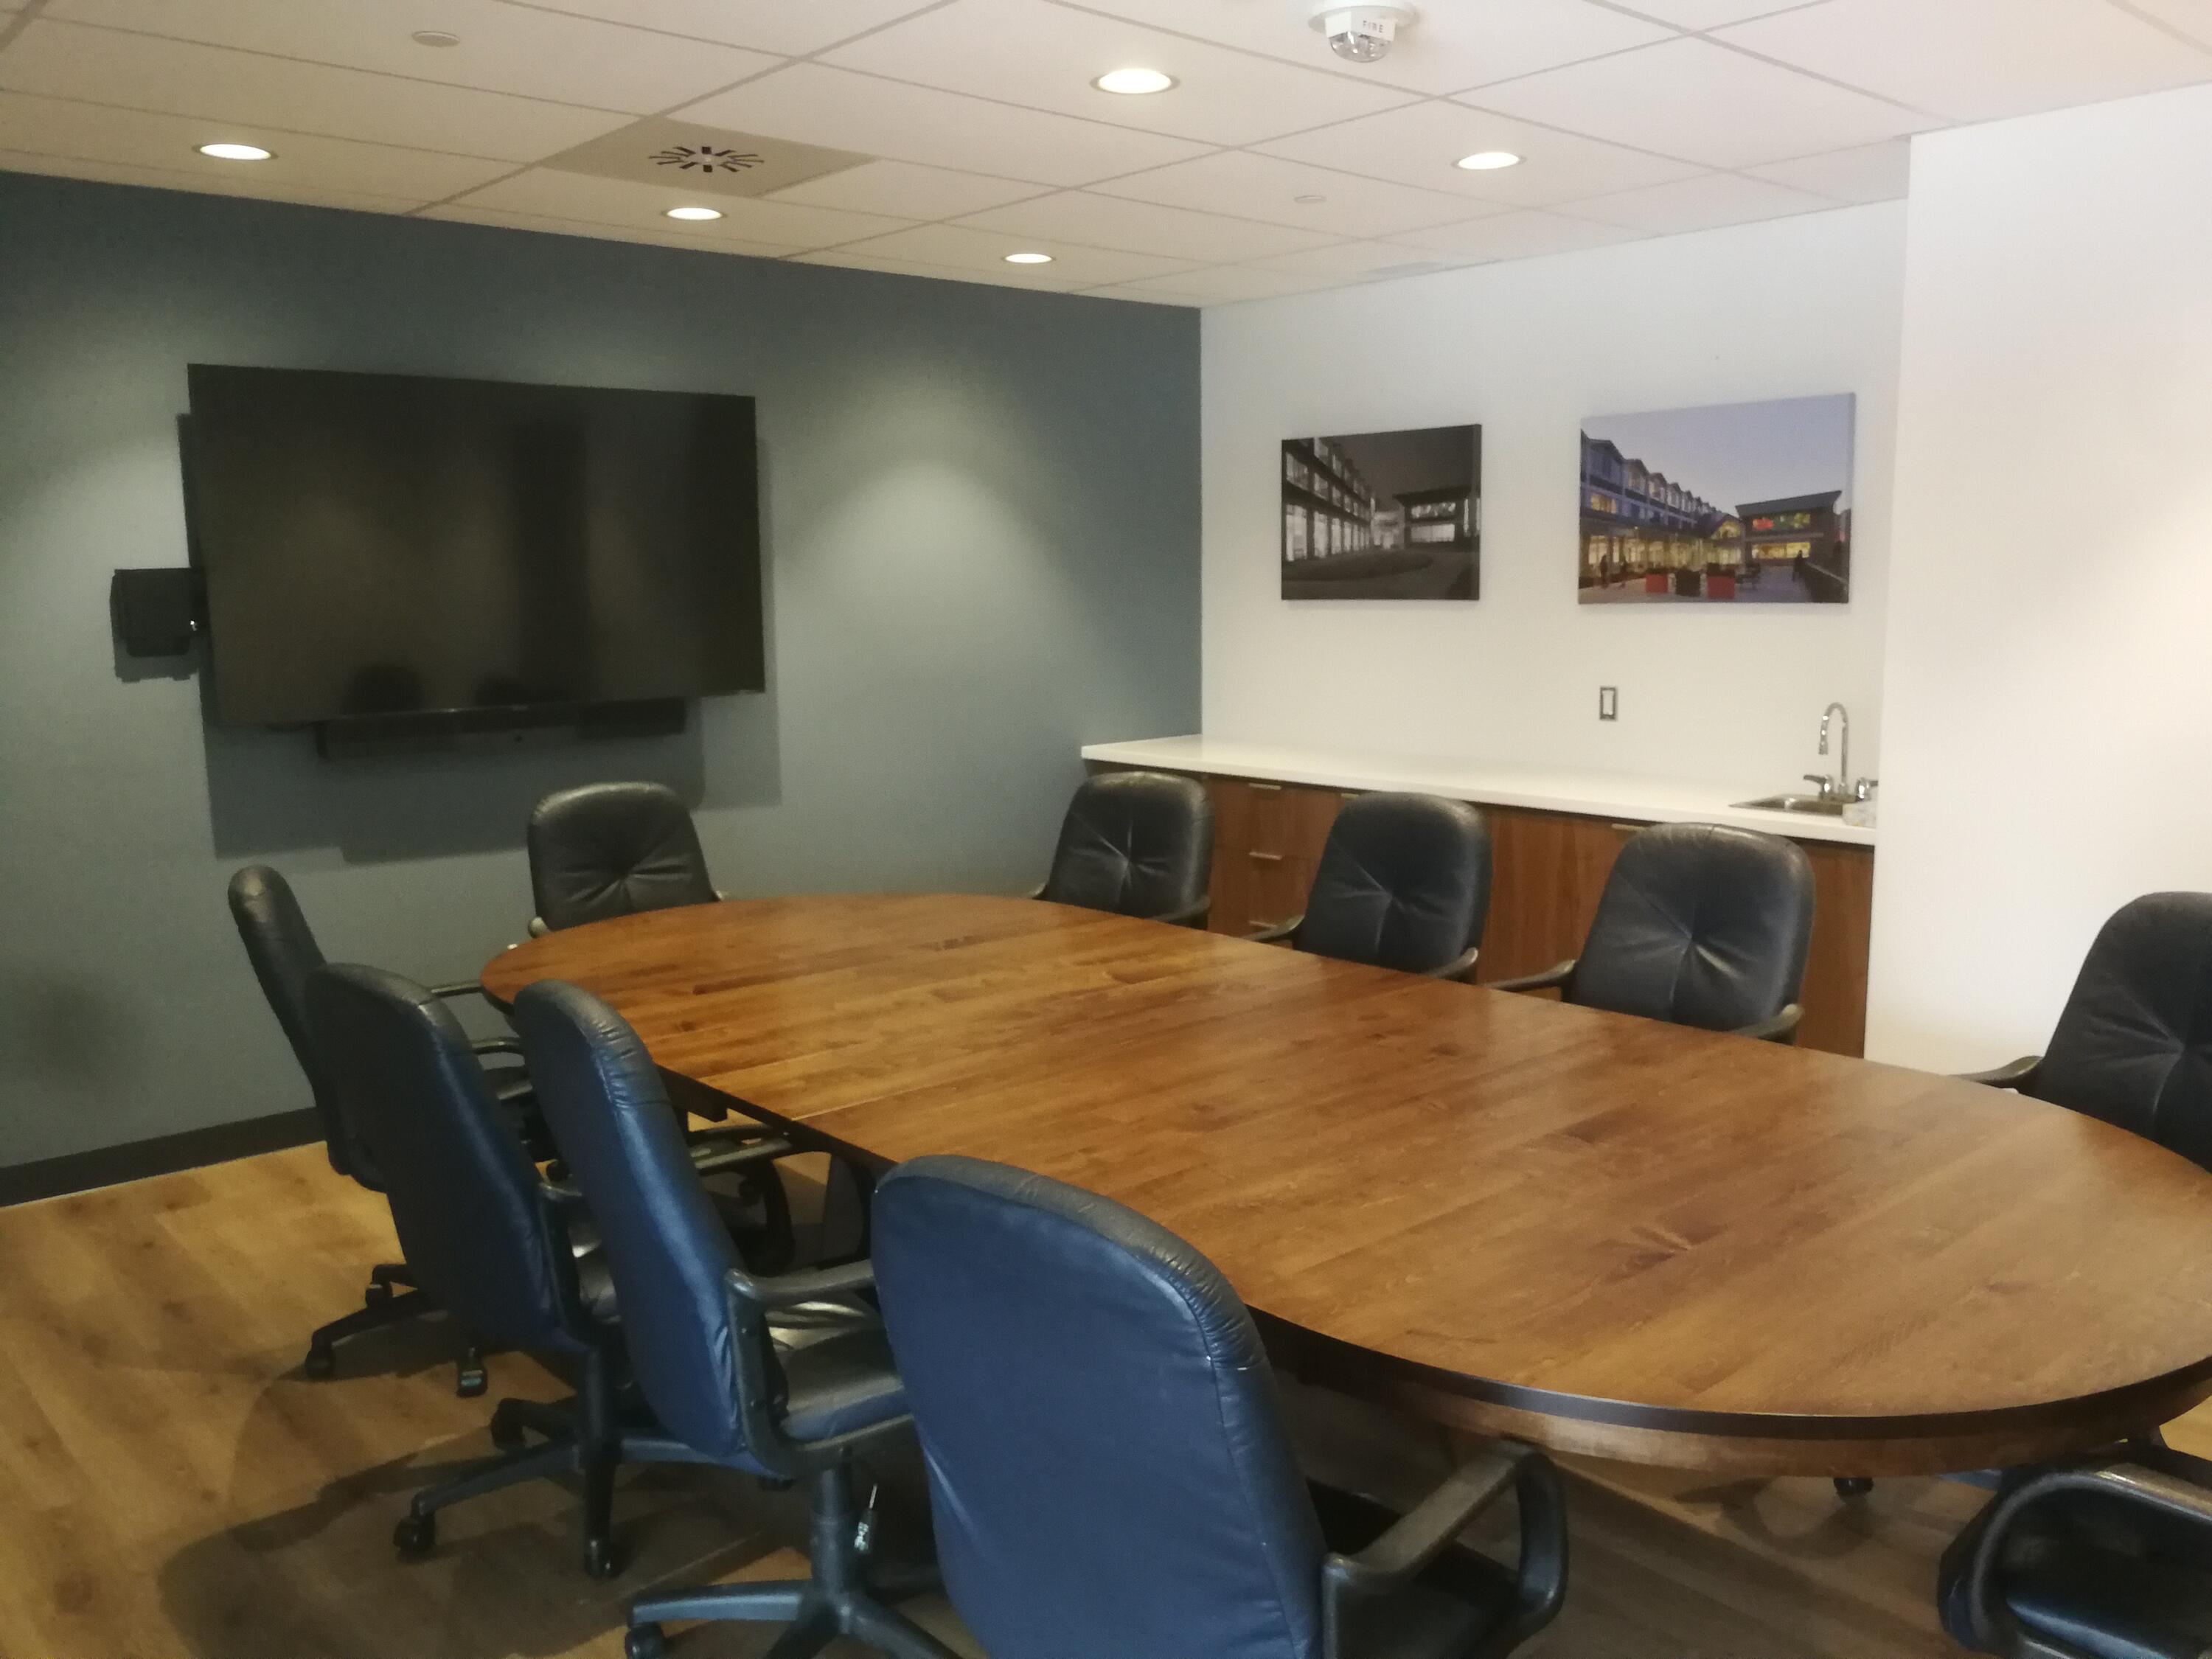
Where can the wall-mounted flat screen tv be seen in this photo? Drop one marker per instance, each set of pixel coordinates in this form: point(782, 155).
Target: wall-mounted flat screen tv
point(383, 544)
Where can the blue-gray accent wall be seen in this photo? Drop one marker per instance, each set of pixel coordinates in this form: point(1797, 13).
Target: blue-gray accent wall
point(980, 531)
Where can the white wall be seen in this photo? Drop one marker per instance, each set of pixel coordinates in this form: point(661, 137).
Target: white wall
point(2050, 618)
point(1529, 350)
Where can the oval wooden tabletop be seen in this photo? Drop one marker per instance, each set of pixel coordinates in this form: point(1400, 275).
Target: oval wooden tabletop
point(1602, 1233)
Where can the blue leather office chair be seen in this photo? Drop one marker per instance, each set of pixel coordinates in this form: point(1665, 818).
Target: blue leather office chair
point(488, 1241)
point(2107, 1558)
point(1109, 1468)
point(791, 1404)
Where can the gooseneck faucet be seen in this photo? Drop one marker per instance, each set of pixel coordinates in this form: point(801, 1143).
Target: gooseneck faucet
point(1838, 719)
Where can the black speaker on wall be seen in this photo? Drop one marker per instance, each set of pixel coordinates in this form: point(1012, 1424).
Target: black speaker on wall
point(155, 612)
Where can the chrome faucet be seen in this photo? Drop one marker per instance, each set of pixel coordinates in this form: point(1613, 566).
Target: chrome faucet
point(1839, 787)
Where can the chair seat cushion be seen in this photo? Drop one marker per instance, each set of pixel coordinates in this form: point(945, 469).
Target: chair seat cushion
point(838, 1377)
point(2113, 1606)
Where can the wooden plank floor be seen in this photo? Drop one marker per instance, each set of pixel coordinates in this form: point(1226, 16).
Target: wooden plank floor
point(172, 1488)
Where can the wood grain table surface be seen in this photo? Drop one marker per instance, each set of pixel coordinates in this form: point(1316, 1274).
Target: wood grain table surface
point(1599, 1233)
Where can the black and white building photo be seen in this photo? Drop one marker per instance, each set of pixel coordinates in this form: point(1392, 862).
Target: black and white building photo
point(1383, 515)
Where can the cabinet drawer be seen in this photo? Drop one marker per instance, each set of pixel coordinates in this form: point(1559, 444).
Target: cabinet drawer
point(1276, 888)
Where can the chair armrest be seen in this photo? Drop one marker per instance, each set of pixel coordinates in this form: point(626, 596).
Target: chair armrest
point(1553, 978)
point(814, 1285)
point(1979, 1577)
point(1191, 915)
point(1037, 891)
point(1396, 1559)
point(462, 988)
point(1280, 931)
point(708, 1159)
point(495, 1046)
point(1458, 968)
point(537, 927)
point(2017, 1075)
point(1783, 1028)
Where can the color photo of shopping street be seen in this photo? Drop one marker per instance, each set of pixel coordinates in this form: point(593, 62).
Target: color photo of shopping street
point(1732, 504)
point(1383, 515)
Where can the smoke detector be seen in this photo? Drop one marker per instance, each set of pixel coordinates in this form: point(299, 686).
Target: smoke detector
point(1361, 34)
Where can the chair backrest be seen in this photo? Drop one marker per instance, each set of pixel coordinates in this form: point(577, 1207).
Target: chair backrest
point(1699, 924)
point(667, 1251)
point(1109, 1468)
point(282, 948)
point(2134, 1043)
point(463, 1191)
point(1403, 882)
point(613, 849)
point(1136, 843)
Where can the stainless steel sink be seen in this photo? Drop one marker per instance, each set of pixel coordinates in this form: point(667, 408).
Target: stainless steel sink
point(1818, 806)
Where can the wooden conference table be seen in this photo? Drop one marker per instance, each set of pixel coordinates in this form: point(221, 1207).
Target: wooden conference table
point(1597, 1234)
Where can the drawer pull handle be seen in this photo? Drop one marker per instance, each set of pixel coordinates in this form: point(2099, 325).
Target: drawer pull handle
point(1265, 858)
point(1266, 788)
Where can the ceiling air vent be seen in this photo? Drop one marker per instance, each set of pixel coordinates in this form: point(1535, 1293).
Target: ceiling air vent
point(706, 159)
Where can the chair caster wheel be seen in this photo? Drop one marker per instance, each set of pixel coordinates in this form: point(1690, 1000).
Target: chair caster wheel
point(415, 1536)
point(470, 1381)
point(376, 1296)
point(507, 1434)
point(1853, 1485)
point(600, 1559)
point(645, 1642)
point(321, 1365)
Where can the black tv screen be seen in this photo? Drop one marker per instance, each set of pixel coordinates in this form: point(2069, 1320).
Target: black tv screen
point(381, 544)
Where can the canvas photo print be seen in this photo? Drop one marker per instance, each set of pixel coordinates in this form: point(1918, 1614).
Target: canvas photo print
point(1731, 504)
point(1383, 515)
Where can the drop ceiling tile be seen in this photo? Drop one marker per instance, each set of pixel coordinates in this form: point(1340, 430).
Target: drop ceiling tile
point(1692, 98)
point(1457, 44)
point(1029, 52)
point(960, 248)
point(819, 104)
point(300, 166)
point(789, 27)
point(503, 48)
point(1978, 60)
point(905, 190)
point(467, 213)
point(1872, 172)
point(1519, 236)
point(1418, 146)
point(1711, 14)
point(1256, 186)
point(1703, 204)
point(1361, 262)
point(591, 200)
point(1031, 276)
point(1145, 296)
point(1146, 228)
point(1234, 282)
point(124, 172)
point(107, 66)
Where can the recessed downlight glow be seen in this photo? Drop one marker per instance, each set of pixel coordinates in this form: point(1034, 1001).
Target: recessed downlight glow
point(694, 213)
point(236, 152)
point(1133, 83)
point(435, 38)
point(1311, 198)
point(1487, 160)
point(1028, 259)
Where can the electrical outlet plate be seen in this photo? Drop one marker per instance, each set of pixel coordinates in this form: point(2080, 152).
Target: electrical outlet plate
point(1608, 703)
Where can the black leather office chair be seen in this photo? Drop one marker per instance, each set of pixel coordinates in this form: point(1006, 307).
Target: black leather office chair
point(2099, 1558)
point(1138, 844)
point(613, 849)
point(1698, 925)
point(2134, 1043)
point(1403, 882)
point(700, 1344)
point(1108, 1466)
point(488, 1240)
point(282, 949)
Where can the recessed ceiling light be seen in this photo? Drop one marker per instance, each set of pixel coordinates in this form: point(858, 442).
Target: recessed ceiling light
point(435, 38)
point(1310, 198)
point(1028, 259)
point(694, 213)
point(236, 152)
point(1487, 160)
point(1133, 83)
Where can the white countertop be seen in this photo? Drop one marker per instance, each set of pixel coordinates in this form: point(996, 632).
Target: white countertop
point(1591, 794)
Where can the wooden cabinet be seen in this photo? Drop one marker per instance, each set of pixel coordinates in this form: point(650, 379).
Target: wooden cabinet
point(1547, 870)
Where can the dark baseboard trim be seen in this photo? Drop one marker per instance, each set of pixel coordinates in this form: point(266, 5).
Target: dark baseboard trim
point(219, 1143)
